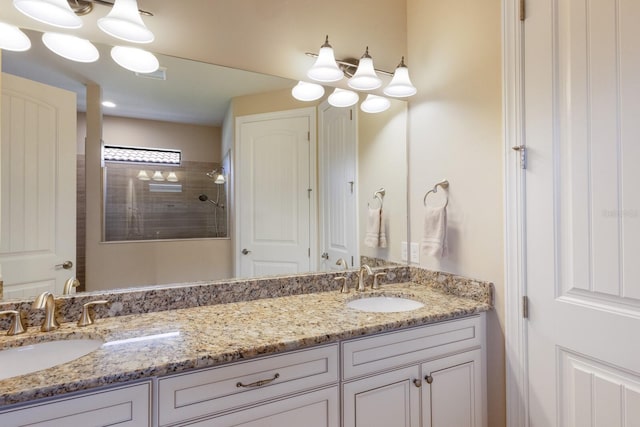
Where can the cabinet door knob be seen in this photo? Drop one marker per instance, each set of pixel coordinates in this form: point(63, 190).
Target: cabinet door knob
point(429, 379)
point(417, 383)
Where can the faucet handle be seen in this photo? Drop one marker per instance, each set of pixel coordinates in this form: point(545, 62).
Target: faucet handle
point(16, 326)
point(87, 317)
point(376, 281)
point(345, 286)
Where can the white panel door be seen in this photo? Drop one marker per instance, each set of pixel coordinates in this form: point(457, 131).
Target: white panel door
point(337, 153)
point(274, 210)
point(582, 104)
point(38, 217)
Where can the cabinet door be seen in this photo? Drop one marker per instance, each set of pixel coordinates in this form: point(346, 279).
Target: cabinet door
point(389, 399)
point(453, 391)
point(314, 409)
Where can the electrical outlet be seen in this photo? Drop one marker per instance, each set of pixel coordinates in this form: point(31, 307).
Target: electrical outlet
point(403, 251)
point(415, 253)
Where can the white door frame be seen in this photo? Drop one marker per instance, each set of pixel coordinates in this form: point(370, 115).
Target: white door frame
point(517, 384)
point(310, 113)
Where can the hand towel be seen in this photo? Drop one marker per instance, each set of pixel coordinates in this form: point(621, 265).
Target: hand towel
point(434, 237)
point(375, 236)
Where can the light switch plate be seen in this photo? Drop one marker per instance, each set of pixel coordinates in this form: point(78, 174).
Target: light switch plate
point(403, 251)
point(415, 253)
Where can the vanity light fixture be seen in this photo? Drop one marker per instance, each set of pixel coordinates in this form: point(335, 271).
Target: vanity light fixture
point(375, 104)
point(365, 77)
point(304, 91)
point(343, 98)
point(12, 38)
point(124, 22)
point(157, 176)
point(400, 86)
point(217, 176)
point(134, 59)
point(53, 12)
point(325, 68)
point(142, 176)
point(71, 47)
point(172, 177)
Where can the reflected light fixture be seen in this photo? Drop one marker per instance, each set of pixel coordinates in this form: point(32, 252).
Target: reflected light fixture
point(400, 86)
point(217, 176)
point(53, 12)
point(13, 39)
point(108, 104)
point(142, 176)
point(172, 177)
point(157, 176)
point(325, 68)
point(375, 104)
point(71, 47)
point(304, 91)
point(134, 59)
point(124, 22)
point(343, 98)
point(365, 77)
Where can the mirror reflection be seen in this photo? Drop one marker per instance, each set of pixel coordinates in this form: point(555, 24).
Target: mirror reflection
point(217, 117)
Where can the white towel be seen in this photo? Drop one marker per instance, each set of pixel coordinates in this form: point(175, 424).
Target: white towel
point(374, 236)
point(434, 237)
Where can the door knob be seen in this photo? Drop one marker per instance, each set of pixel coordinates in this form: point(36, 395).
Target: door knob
point(429, 379)
point(417, 383)
point(245, 251)
point(325, 255)
point(67, 265)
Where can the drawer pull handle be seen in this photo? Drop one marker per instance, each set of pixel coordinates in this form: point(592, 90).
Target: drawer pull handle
point(259, 383)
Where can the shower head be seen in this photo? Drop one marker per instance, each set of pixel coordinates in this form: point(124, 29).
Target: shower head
point(203, 197)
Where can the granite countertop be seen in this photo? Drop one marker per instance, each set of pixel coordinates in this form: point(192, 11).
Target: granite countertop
point(179, 340)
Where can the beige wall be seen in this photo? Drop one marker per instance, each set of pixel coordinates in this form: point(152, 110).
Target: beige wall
point(455, 132)
point(112, 265)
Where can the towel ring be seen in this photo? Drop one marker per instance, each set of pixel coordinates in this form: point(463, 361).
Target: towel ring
point(379, 195)
point(444, 184)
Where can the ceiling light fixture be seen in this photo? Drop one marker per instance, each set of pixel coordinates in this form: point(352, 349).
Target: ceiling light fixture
point(304, 91)
point(375, 104)
point(365, 77)
point(343, 98)
point(71, 47)
point(13, 39)
point(124, 22)
point(400, 86)
point(135, 59)
point(325, 68)
point(53, 12)
point(108, 104)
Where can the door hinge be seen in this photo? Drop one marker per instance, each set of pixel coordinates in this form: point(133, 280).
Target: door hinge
point(523, 12)
point(350, 114)
point(308, 136)
point(525, 307)
point(522, 149)
point(309, 252)
point(309, 190)
point(352, 261)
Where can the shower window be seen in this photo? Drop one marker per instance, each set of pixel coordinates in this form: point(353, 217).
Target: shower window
point(170, 200)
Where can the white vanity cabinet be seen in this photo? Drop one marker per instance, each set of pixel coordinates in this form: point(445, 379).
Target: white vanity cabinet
point(124, 406)
point(431, 376)
point(252, 392)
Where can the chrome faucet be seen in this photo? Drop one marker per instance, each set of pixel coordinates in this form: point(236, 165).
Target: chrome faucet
point(363, 269)
point(46, 300)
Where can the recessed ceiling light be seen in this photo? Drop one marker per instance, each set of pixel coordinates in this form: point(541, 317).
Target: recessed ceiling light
point(108, 104)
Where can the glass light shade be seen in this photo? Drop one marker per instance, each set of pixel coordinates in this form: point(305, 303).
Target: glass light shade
point(325, 68)
point(124, 22)
point(375, 104)
point(12, 38)
point(53, 12)
point(71, 47)
point(157, 176)
point(172, 177)
point(343, 98)
point(135, 59)
point(142, 176)
point(365, 77)
point(304, 91)
point(220, 179)
point(400, 86)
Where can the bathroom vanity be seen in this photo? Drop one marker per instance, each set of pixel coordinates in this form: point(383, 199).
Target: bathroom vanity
point(302, 359)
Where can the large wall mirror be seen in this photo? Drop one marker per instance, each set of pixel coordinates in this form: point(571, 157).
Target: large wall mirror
point(198, 109)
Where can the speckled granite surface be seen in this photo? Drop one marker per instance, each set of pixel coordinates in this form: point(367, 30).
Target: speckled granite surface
point(208, 335)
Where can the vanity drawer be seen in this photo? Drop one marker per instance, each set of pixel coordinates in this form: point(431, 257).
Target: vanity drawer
point(209, 391)
point(363, 356)
point(122, 406)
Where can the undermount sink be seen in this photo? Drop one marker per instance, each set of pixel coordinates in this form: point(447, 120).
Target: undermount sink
point(382, 304)
point(35, 357)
